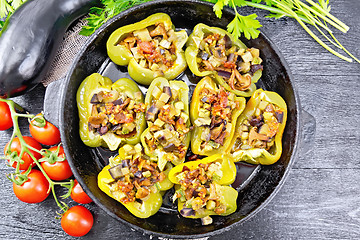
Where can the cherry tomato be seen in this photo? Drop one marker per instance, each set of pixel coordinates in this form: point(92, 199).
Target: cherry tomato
point(78, 194)
point(15, 146)
point(59, 170)
point(77, 221)
point(5, 120)
point(34, 190)
point(47, 135)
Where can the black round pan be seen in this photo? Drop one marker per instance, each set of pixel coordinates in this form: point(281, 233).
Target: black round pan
point(256, 185)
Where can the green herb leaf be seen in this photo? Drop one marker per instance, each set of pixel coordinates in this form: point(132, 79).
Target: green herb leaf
point(5, 8)
point(99, 16)
point(244, 24)
point(218, 7)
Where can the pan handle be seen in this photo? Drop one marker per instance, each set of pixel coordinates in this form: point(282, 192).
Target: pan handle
point(53, 94)
point(308, 131)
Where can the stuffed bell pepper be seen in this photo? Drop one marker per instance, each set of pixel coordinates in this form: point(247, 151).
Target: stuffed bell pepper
point(259, 129)
point(201, 187)
point(213, 113)
point(213, 51)
point(110, 113)
point(167, 137)
point(151, 48)
point(135, 181)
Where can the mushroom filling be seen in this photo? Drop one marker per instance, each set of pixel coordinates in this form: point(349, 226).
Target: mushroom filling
point(134, 177)
point(198, 190)
point(215, 117)
point(152, 47)
point(167, 124)
point(260, 129)
point(115, 112)
point(235, 65)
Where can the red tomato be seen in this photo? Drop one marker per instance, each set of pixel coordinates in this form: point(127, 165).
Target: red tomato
point(47, 135)
point(59, 170)
point(77, 221)
point(78, 194)
point(5, 120)
point(34, 190)
point(15, 146)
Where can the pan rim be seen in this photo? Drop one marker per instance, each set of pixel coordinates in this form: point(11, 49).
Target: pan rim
point(159, 234)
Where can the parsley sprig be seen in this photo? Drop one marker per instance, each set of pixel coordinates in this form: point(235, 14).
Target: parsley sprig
point(7, 7)
point(308, 12)
point(99, 16)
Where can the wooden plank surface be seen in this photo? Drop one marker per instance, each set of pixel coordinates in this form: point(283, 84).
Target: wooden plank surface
point(321, 197)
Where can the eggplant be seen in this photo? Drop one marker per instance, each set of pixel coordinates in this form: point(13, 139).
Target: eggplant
point(30, 39)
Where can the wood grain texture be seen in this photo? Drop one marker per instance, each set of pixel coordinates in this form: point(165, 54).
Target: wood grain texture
point(319, 200)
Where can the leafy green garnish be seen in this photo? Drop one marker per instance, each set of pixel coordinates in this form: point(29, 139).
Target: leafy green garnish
point(99, 16)
point(7, 7)
point(316, 14)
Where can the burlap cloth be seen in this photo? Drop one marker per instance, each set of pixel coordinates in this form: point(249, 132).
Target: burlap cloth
point(69, 47)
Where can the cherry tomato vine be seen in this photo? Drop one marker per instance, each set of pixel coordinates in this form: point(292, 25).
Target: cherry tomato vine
point(15, 159)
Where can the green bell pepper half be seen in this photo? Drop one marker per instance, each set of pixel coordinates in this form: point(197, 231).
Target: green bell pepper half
point(227, 167)
point(121, 55)
point(260, 155)
point(144, 210)
point(196, 140)
point(192, 57)
point(94, 84)
point(228, 195)
point(182, 90)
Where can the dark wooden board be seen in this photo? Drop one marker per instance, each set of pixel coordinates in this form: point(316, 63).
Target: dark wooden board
point(321, 197)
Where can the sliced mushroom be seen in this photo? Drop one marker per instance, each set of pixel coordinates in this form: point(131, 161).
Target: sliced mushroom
point(159, 30)
point(142, 193)
point(253, 136)
point(220, 139)
point(97, 120)
point(243, 82)
point(216, 131)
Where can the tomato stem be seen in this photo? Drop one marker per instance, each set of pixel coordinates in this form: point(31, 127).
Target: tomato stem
point(18, 177)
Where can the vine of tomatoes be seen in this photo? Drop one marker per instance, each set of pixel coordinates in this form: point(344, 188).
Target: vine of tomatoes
point(25, 153)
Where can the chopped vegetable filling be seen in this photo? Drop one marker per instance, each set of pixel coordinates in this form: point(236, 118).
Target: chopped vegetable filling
point(198, 190)
point(167, 124)
point(260, 129)
point(134, 177)
point(215, 116)
point(152, 47)
point(235, 65)
point(114, 112)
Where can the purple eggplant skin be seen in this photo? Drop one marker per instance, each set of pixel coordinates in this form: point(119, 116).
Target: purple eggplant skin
point(30, 39)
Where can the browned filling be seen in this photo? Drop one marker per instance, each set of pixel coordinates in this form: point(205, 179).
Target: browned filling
point(114, 112)
point(197, 189)
point(152, 47)
point(235, 65)
point(167, 123)
point(215, 116)
point(134, 178)
point(259, 130)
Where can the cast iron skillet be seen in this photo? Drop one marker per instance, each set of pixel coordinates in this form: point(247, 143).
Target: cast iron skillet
point(256, 187)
